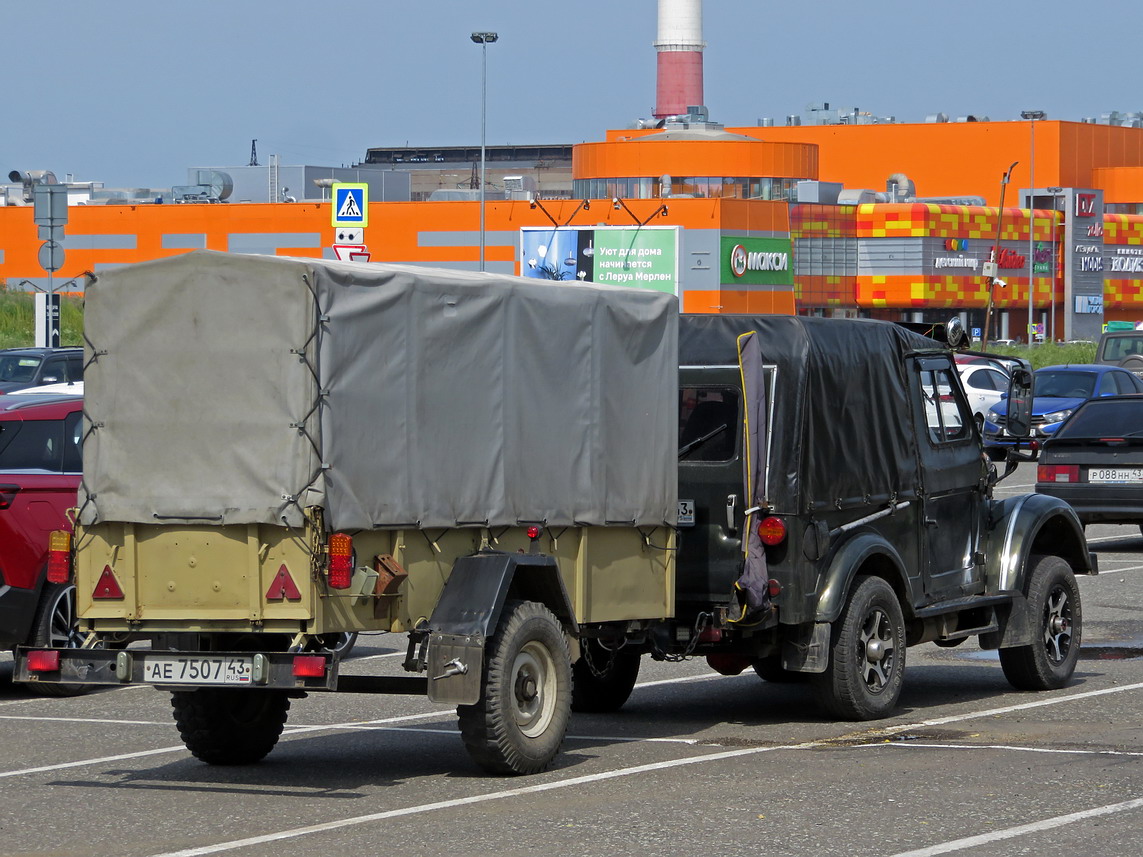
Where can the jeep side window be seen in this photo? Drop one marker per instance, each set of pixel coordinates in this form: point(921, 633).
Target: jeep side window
point(942, 410)
point(709, 424)
point(32, 445)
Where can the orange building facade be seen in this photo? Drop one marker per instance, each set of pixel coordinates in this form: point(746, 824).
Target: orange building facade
point(725, 206)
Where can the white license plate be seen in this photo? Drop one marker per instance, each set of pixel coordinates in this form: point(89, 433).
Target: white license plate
point(175, 669)
point(1123, 475)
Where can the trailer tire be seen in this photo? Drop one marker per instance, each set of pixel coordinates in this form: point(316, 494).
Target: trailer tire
point(224, 726)
point(55, 626)
point(867, 654)
point(518, 724)
point(602, 679)
point(1054, 603)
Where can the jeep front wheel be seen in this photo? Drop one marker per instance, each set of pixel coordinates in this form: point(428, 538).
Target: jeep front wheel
point(867, 654)
point(1057, 618)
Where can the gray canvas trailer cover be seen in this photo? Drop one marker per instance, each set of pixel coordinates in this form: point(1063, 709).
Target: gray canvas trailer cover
point(234, 389)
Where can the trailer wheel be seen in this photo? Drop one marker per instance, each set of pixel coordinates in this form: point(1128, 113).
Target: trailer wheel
point(518, 724)
point(603, 678)
point(55, 626)
point(224, 726)
point(1054, 603)
point(867, 654)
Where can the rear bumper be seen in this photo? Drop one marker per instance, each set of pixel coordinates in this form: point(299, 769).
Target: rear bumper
point(1093, 505)
point(100, 667)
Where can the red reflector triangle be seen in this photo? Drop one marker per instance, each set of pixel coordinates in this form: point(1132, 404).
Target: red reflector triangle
point(107, 586)
point(283, 587)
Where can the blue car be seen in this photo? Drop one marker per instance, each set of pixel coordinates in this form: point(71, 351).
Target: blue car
point(1059, 390)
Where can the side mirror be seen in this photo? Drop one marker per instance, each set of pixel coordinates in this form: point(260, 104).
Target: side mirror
point(1020, 402)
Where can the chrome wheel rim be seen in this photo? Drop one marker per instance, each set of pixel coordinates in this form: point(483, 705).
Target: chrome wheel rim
point(877, 650)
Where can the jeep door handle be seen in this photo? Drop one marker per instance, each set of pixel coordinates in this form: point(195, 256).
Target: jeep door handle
point(731, 508)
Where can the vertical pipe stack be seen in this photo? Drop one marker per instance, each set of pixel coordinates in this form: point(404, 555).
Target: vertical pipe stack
point(679, 46)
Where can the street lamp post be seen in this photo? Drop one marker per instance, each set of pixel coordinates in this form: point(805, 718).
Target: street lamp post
point(1032, 116)
point(994, 264)
point(483, 39)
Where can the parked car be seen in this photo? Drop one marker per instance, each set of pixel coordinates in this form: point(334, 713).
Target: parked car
point(984, 385)
point(40, 470)
point(1094, 461)
point(34, 367)
point(1059, 391)
point(1121, 348)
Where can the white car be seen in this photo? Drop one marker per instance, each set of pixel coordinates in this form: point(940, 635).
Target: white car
point(984, 385)
point(73, 387)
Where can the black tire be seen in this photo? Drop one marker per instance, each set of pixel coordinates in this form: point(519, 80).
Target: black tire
point(770, 669)
point(518, 724)
point(603, 678)
point(225, 726)
point(1054, 605)
point(867, 654)
point(55, 626)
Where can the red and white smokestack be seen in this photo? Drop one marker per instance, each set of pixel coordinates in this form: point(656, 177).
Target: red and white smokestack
point(679, 47)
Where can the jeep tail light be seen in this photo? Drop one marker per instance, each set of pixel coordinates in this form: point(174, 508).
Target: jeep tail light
point(59, 556)
point(771, 530)
point(309, 666)
point(340, 560)
point(43, 661)
point(1057, 473)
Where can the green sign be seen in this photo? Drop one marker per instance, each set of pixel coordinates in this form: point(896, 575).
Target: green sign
point(756, 262)
point(642, 258)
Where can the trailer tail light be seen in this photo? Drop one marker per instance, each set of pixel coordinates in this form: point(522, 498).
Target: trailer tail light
point(772, 530)
point(340, 560)
point(309, 666)
point(59, 556)
point(773, 587)
point(534, 532)
point(43, 661)
point(1057, 473)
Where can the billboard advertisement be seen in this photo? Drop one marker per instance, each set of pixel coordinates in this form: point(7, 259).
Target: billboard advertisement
point(639, 257)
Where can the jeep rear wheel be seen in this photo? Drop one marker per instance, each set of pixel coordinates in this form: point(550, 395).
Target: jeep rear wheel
point(867, 654)
point(1057, 621)
point(224, 726)
point(518, 724)
point(603, 678)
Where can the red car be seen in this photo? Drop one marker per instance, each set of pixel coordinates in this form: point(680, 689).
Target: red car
point(40, 469)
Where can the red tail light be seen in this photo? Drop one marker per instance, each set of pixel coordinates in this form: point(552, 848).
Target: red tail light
point(59, 556)
point(1058, 473)
point(8, 494)
point(340, 560)
point(771, 530)
point(308, 666)
point(43, 662)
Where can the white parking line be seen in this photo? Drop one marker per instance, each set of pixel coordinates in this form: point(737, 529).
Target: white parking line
point(1022, 829)
point(920, 745)
point(571, 782)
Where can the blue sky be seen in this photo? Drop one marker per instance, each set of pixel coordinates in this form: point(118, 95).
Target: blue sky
point(132, 93)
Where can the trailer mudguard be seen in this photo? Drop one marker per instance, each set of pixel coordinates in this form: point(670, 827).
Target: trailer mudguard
point(469, 608)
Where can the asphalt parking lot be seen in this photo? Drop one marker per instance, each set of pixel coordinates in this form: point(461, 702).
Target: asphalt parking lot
point(695, 763)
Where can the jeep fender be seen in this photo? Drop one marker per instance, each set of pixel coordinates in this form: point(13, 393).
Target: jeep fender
point(1032, 524)
point(860, 550)
point(1023, 527)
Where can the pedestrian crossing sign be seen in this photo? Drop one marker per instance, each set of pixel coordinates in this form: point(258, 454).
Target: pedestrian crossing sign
point(351, 204)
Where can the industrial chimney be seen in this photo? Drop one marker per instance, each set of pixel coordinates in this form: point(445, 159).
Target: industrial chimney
point(679, 47)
